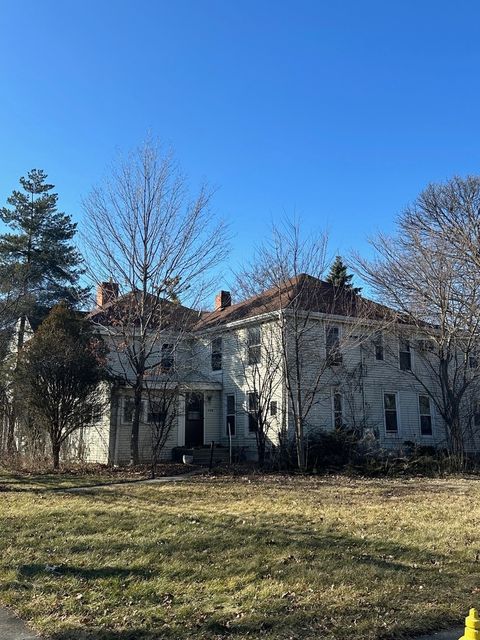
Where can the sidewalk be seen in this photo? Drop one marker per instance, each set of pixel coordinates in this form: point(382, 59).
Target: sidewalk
point(12, 628)
point(454, 634)
point(123, 483)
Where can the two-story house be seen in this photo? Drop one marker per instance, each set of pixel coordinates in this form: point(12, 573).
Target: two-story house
point(345, 360)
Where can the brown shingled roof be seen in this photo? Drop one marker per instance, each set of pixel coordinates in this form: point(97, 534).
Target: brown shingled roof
point(124, 310)
point(303, 292)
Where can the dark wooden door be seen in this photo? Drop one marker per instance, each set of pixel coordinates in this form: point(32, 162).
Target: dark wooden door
point(194, 420)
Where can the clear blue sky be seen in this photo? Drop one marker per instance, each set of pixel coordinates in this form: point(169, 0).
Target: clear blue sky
point(340, 111)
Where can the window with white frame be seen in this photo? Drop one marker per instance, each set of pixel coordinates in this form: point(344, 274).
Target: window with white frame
point(128, 410)
point(253, 403)
point(157, 413)
point(332, 345)
point(378, 345)
point(217, 354)
point(390, 411)
point(337, 409)
point(254, 342)
point(167, 358)
point(231, 415)
point(404, 354)
point(424, 409)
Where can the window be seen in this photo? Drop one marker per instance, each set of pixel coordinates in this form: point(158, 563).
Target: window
point(476, 415)
point(128, 409)
point(273, 408)
point(425, 415)
point(217, 354)
point(252, 412)
point(156, 412)
point(378, 345)
point(332, 345)
point(473, 360)
point(390, 408)
point(337, 409)
point(405, 355)
point(425, 346)
point(254, 345)
point(231, 426)
point(167, 361)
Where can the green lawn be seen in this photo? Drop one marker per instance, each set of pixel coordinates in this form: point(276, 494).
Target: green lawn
point(215, 558)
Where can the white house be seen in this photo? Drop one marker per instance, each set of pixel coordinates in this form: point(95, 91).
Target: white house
point(355, 364)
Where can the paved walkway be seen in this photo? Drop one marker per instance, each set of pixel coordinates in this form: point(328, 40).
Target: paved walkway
point(113, 485)
point(454, 634)
point(12, 628)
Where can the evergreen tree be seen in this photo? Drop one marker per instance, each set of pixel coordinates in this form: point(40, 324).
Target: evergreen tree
point(58, 375)
point(340, 278)
point(39, 266)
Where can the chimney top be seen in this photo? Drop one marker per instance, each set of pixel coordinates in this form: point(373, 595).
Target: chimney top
point(106, 292)
point(223, 300)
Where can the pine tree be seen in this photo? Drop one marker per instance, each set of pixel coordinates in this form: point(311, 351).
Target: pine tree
point(340, 278)
point(39, 265)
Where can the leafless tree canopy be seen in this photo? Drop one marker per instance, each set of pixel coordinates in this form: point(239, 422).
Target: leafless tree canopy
point(146, 232)
point(426, 273)
point(293, 268)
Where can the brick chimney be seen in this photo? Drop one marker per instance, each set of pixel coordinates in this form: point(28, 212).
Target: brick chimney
point(106, 292)
point(223, 300)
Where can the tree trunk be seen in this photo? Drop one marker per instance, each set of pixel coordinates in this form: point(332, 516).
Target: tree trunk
point(56, 455)
point(137, 408)
point(10, 444)
point(299, 442)
point(456, 439)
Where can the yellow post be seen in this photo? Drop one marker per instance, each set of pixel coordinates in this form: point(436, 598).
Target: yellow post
point(472, 626)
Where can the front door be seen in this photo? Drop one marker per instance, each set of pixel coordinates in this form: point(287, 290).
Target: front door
point(194, 420)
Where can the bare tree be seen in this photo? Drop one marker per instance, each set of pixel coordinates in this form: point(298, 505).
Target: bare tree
point(259, 352)
point(147, 234)
point(424, 273)
point(292, 268)
point(162, 413)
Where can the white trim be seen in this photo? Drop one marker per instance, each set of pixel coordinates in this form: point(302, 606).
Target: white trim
point(224, 433)
point(333, 392)
point(391, 434)
point(425, 435)
point(411, 352)
point(333, 325)
point(181, 420)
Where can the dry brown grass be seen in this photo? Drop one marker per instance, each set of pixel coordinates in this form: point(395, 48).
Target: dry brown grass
point(298, 558)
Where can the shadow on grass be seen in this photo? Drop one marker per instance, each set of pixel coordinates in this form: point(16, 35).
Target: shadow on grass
point(83, 573)
point(281, 577)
